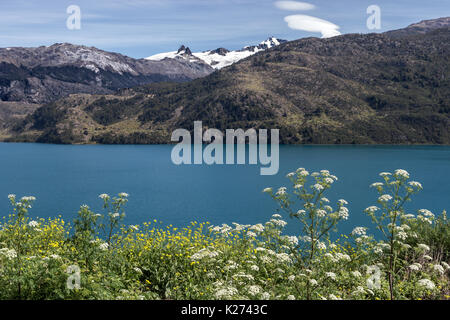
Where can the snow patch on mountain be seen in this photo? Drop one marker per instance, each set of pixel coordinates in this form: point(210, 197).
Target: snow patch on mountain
point(218, 58)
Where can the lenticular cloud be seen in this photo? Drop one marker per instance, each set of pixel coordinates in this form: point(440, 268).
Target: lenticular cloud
point(294, 5)
point(312, 24)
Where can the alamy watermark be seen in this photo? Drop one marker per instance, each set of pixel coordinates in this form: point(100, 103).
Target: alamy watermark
point(374, 20)
point(213, 153)
point(74, 278)
point(73, 22)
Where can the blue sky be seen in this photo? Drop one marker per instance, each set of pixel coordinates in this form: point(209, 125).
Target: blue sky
point(140, 28)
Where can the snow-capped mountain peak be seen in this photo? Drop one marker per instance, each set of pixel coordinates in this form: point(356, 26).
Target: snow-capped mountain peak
point(218, 58)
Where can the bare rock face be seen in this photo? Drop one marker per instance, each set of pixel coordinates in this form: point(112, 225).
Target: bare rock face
point(44, 74)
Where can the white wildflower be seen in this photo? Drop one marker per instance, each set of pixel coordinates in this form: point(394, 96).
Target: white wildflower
point(371, 209)
point(226, 293)
point(265, 296)
point(415, 267)
point(415, 184)
point(331, 275)
point(423, 247)
point(251, 234)
point(385, 198)
point(254, 290)
point(356, 274)
point(359, 231)
point(321, 213)
point(376, 185)
point(8, 253)
point(33, 224)
point(343, 213)
point(401, 173)
point(427, 284)
point(318, 187)
point(438, 268)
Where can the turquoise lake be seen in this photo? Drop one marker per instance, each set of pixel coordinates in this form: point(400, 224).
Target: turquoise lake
point(64, 177)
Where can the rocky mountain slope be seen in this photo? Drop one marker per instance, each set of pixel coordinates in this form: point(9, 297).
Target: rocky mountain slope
point(356, 88)
point(44, 74)
point(220, 57)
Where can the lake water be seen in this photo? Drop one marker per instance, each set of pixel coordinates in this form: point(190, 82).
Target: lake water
point(65, 177)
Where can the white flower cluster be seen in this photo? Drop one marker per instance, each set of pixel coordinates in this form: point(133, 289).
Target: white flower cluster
point(425, 216)
point(416, 185)
point(385, 198)
point(104, 246)
point(204, 253)
point(8, 253)
point(338, 256)
point(281, 191)
point(415, 267)
point(359, 231)
point(400, 173)
point(226, 293)
point(331, 275)
point(278, 222)
point(257, 228)
point(254, 290)
point(426, 284)
point(343, 213)
point(224, 229)
point(33, 224)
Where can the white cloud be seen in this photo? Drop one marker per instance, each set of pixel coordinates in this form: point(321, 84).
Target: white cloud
point(294, 5)
point(312, 24)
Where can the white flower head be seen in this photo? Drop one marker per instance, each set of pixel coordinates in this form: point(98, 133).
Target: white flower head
point(385, 198)
point(104, 246)
point(104, 196)
point(426, 284)
point(331, 275)
point(359, 231)
point(318, 187)
point(415, 267)
point(400, 173)
point(33, 224)
point(423, 247)
point(416, 185)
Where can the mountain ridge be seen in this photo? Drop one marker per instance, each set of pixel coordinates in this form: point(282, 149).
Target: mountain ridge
point(44, 74)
